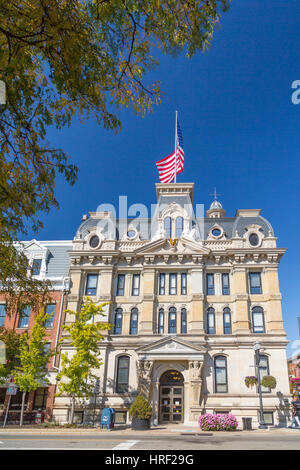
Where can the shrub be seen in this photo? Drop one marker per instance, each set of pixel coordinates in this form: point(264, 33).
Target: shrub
point(268, 381)
point(217, 422)
point(140, 408)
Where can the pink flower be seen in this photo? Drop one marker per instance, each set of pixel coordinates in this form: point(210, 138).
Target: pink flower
point(217, 422)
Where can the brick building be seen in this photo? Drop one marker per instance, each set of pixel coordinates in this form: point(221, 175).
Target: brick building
point(50, 261)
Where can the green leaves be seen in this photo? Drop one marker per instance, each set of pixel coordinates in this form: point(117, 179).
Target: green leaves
point(84, 58)
point(76, 377)
point(11, 340)
point(33, 357)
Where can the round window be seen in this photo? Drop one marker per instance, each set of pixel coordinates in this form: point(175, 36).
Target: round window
point(131, 234)
point(253, 239)
point(216, 232)
point(94, 241)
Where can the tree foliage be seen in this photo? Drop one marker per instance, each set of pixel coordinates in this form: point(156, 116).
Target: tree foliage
point(33, 356)
point(76, 377)
point(87, 58)
point(31, 373)
point(18, 286)
point(11, 339)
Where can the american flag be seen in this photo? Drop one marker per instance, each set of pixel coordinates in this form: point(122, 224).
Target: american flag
point(166, 166)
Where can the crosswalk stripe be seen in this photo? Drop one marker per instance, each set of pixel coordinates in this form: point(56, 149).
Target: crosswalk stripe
point(125, 445)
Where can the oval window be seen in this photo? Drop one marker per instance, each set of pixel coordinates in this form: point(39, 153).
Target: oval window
point(253, 239)
point(94, 241)
point(131, 234)
point(216, 232)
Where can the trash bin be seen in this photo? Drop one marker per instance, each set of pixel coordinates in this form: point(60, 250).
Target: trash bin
point(247, 424)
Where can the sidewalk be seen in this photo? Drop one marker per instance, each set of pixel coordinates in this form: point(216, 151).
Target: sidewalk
point(127, 431)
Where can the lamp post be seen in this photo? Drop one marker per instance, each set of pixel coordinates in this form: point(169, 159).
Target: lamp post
point(96, 392)
point(262, 424)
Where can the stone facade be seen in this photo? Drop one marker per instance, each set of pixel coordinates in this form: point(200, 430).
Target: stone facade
point(189, 295)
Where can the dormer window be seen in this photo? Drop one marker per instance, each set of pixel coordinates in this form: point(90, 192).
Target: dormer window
point(253, 239)
point(37, 255)
point(36, 267)
point(173, 227)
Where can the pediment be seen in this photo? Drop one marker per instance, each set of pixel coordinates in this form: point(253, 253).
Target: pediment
point(34, 245)
point(194, 246)
point(183, 245)
point(169, 346)
point(153, 246)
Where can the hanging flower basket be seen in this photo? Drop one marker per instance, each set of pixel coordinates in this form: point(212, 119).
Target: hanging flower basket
point(250, 381)
point(268, 381)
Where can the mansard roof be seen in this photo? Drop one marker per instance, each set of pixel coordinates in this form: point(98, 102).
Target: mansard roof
point(57, 257)
point(181, 194)
point(230, 225)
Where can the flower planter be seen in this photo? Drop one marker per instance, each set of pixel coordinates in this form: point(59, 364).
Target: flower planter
point(138, 424)
point(250, 381)
point(268, 381)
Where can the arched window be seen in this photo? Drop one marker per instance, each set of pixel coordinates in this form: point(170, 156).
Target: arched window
point(183, 320)
point(133, 321)
point(118, 321)
point(168, 227)
point(161, 320)
point(172, 320)
point(220, 369)
point(258, 321)
point(227, 321)
point(210, 321)
point(122, 376)
point(179, 226)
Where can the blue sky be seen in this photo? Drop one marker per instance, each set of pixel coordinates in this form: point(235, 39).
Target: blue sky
point(240, 128)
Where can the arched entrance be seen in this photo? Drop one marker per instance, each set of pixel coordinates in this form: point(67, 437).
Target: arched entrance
point(171, 397)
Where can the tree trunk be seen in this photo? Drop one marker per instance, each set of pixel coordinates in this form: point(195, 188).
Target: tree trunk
point(71, 416)
point(22, 409)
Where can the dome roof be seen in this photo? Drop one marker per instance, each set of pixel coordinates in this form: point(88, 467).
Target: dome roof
point(215, 205)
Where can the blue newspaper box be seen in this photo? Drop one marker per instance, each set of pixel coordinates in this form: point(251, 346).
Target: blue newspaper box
point(107, 418)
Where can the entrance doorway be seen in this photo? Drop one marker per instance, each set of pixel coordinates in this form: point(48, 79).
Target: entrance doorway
point(171, 397)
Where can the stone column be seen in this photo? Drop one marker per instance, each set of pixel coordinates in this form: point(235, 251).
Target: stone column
point(147, 307)
point(144, 372)
point(273, 312)
point(106, 291)
point(195, 368)
point(155, 401)
point(240, 317)
point(77, 281)
point(195, 320)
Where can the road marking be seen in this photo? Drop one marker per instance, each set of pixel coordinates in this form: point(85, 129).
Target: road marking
point(125, 445)
point(56, 439)
point(54, 448)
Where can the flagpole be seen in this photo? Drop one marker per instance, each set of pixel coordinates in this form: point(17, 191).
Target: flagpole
point(175, 146)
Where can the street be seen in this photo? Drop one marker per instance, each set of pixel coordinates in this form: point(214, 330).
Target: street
point(285, 439)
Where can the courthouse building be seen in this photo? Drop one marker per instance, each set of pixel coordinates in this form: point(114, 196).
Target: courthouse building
point(189, 296)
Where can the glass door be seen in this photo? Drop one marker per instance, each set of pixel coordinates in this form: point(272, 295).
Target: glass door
point(171, 404)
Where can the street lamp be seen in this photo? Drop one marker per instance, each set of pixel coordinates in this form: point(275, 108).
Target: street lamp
point(96, 392)
point(262, 424)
